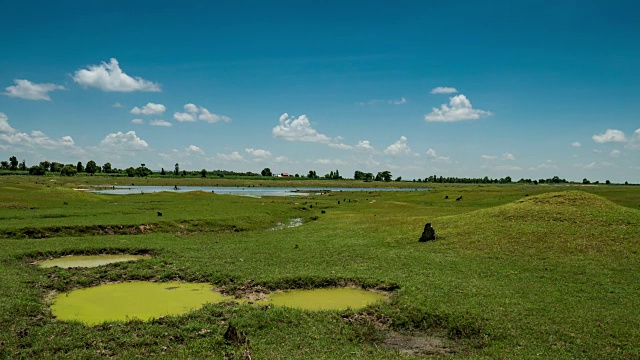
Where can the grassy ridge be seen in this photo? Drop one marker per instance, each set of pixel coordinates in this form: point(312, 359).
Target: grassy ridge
point(552, 274)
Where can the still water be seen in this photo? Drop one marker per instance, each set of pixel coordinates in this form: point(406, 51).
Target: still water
point(246, 191)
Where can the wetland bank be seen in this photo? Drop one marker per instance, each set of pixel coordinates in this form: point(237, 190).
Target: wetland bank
point(551, 274)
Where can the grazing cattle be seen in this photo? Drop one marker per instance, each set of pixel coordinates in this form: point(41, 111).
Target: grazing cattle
point(324, 212)
point(460, 198)
point(446, 196)
point(159, 213)
point(338, 202)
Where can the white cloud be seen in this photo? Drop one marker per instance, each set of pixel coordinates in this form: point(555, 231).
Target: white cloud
point(341, 146)
point(234, 156)
point(149, 109)
point(259, 153)
point(611, 135)
point(459, 109)
point(195, 149)
point(576, 144)
point(194, 113)
point(615, 153)
point(488, 157)
point(4, 124)
point(160, 122)
point(128, 141)
point(25, 89)
point(549, 164)
point(508, 156)
point(209, 117)
point(364, 145)
point(373, 102)
point(335, 162)
point(116, 105)
point(443, 90)
point(109, 77)
point(184, 117)
point(281, 159)
point(597, 151)
point(137, 121)
point(398, 148)
point(433, 155)
point(634, 142)
point(298, 129)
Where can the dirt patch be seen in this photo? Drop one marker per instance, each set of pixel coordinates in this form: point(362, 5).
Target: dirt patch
point(417, 344)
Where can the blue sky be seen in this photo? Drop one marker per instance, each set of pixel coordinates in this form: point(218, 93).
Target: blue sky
point(527, 89)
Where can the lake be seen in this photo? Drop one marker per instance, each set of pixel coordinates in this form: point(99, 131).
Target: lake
point(244, 191)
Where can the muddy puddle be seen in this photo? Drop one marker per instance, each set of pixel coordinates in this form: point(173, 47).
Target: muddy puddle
point(132, 300)
point(89, 260)
point(291, 223)
point(325, 299)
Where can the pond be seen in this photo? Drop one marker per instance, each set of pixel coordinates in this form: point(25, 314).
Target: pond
point(89, 260)
point(325, 299)
point(245, 191)
point(141, 300)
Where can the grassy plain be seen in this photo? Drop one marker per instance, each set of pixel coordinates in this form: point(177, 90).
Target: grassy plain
point(517, 271)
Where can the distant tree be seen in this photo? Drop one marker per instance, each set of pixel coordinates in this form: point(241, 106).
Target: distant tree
point(297, 175)
point(358, 175)
point(176, 170)
point(37, 170)
point(162, 172)
point(106, 168)
point(586, 181)
point(142, 171)
point(203, 173)
point(312, 174)
point(130, 171)
point(384, 176)
point(266, 172)
point(4, 165)
point(68, 170)
point(184, 172)
point(46, 165)
point(56, 166)
point(626, 183)
point(368, 176)
point(23, 165)
point(13, 163)
point(79, 167)
point(608, 182)
point(91, 167)
point(399, 178)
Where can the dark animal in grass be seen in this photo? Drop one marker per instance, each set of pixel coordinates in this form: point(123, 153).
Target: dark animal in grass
point(324, 212)
point(159, 213)
point(446, 196)
point(66, 203)
point(428, 234)
point(338, 202)
point(460, 198)
point(233, 336)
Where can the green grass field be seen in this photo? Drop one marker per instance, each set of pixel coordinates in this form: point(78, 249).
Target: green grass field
point(517, 271)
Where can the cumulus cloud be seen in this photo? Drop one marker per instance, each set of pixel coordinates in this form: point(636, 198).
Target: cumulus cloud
point(117, 105)
point(508, 156)
point(4, 124)
point(340, 146)
point(444, 90)
point(398, 148)
point(128, 141)
point(149, 109)
point(549, 164)
point(611, 135)
point(634, 142)
point(137, 121)
point(259, 153)
point(364, 145)
point(488, 157)
point(194, 113)
point(433, 155)
point(195, 149)
point(25, 89)
point(234, 156)
point(110, 77)
point(459, 109)
point(615, 153)
point(298, 129)
point(280, 159)
point(160, 122)
point(576, 144)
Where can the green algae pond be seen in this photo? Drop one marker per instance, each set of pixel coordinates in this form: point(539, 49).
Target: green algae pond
point(89, 260)
point(326, 299)
point(141, 300)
